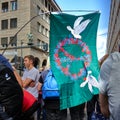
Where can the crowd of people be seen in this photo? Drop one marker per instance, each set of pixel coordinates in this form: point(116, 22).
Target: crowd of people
point(107, 103)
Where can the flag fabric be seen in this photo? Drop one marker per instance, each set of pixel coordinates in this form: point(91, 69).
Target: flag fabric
point(73, 56)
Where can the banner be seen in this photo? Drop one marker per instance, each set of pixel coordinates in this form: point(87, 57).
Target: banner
point(73, 56)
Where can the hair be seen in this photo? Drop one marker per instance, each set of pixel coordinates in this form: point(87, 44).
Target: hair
point(30, 57)
point(103, 59)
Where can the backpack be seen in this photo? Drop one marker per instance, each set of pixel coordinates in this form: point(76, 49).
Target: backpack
point(50, 87)
point(30, 105)
point(11, 94)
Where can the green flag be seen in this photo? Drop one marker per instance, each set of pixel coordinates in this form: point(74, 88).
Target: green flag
point(73, 57)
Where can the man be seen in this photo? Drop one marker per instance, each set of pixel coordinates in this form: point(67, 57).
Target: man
point(109, 82)
point(30, 76)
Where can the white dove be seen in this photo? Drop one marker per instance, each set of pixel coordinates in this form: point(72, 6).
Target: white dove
point(78, 27)
point(91, 80)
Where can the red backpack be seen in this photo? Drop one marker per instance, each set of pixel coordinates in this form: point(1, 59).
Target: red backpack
point(30, 105)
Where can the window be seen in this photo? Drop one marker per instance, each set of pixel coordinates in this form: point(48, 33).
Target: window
point(4, 41)
point(13, 41)
point(43, 15)
point(47, 18)
point(45, 46)
point(38, 10)
point(5, 7)
point(49, 7)
point(46, 32)
point(4, 24)
point(13, 23)
point(39, 27)
point(13, 5)
point(46, 4)
point(38, 42)
point(42, 29)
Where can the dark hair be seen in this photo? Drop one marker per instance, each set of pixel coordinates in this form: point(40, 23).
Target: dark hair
point(103, 59)
point(30, 57)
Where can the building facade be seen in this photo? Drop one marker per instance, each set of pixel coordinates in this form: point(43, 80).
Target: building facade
point(113, 41)
point(24, 27)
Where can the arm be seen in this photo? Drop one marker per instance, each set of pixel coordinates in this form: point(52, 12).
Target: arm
point(104, 106)
point(28, 82)
point(40, 82)
point(17, 77)
point(39, 86)
point(22, 83)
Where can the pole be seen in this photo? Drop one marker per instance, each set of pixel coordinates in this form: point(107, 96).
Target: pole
point(21, 59)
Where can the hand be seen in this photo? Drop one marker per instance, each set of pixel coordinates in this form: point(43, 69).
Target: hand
point(32, 84)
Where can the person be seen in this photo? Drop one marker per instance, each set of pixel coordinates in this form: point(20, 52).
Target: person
point(93, 104)
point(30, 77)
point(77, 112)
point(52, 105)
point(11, 94)
point(109, 82)
point(30, 103)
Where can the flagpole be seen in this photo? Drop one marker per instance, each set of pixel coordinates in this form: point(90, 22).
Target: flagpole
point(79, 11)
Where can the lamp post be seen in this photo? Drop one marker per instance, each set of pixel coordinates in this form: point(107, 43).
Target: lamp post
point(21, 59)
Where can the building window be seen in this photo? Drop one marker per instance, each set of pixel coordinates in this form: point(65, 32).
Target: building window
point(13, 23)
point(52, 9)
point(13, 5)
point(49, 7)
point(46, 3)
point(43, 15)
point(39, 27)
point(4, 42)
point(47, 34)
point(13, 41)
point(43, 30)
point(5, 7)
point(4, 24)
point(44, 46)
point(38, 42)
point(38, 10)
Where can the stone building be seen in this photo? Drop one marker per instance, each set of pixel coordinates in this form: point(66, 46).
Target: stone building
point(113, 41)
point(24, 28)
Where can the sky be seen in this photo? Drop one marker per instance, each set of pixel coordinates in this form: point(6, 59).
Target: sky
point(98, 5)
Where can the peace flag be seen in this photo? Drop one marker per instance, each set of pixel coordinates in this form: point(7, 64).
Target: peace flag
point(73, 56)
